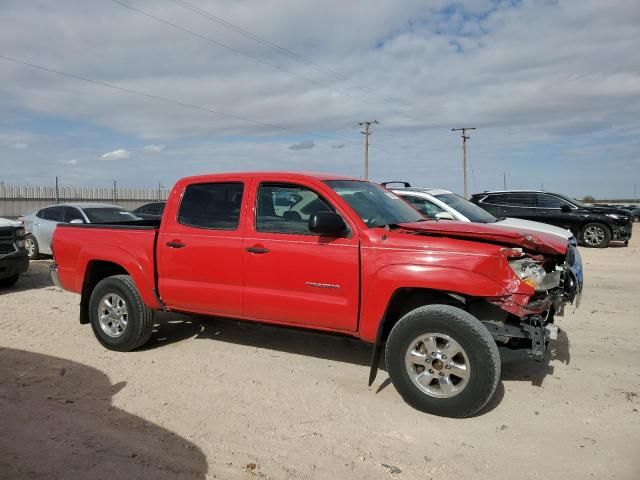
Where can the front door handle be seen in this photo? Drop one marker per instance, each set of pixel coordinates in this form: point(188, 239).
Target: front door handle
point(175, 244)
point(257, 249)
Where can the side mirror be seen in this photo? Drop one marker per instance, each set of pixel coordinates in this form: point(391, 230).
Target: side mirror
point(77, 220)
point(565, 208)
point(444, 216)
point(327, 223)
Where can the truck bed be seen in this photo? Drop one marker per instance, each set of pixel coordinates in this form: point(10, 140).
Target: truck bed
point(131, 245)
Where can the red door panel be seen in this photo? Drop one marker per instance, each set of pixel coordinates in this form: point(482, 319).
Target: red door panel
point(309, 280)
point(200, 255)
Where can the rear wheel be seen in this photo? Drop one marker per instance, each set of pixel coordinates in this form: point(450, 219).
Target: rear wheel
point(9, 281)
point(596, 235)
point(443, 361)
point(31, 245)
point(119, 318)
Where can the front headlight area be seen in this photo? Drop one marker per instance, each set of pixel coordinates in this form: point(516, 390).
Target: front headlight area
point(534, 275)
point(530, 272)
point(20, 240)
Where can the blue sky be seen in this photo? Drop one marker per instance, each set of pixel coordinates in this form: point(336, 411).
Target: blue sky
point(552, 86)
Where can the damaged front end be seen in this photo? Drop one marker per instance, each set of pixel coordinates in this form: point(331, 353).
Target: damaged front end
point(525, 319)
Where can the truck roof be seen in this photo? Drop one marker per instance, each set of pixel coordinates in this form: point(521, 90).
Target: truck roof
point(269, 174)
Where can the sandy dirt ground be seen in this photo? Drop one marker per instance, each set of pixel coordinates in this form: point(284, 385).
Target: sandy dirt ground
point(211, 398)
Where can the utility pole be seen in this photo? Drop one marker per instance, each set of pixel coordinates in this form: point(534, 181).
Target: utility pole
point(366, 134)
point(465, 137)
point(504, 180)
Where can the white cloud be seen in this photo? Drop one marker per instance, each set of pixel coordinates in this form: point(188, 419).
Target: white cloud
point(154, 148)
point(535, 89)
point(120, 154)
point(71, 161)
point(20, 145)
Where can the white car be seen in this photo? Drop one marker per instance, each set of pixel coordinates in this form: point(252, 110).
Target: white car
point(41, 224)
point(446, 205)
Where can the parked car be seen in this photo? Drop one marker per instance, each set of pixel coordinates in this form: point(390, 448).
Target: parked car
point(41, 224)
point(593, 226)
point(13, 256)
point(441, 204)
point(150, 211)
point(355, 259)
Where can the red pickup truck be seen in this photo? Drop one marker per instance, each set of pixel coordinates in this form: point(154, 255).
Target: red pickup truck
point(328, 253)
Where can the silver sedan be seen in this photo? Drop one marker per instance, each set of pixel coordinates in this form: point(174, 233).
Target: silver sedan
point(41, 224)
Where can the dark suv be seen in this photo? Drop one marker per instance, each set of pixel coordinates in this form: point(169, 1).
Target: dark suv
point(13, 256)
point(593, 226)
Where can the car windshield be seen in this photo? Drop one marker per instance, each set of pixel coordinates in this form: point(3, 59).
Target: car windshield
point(108, 215)
point(470, 210)
point(376, 205)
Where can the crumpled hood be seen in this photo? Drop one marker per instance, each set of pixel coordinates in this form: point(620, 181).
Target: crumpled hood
point(538, 242)
point(4, 222)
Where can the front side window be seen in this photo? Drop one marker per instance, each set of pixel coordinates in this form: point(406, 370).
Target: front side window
point(521, 200)
point(284, 208)
point(214, 206)
point(549, 201)
point(71, 213)
point(375, 205)
point(423, 206)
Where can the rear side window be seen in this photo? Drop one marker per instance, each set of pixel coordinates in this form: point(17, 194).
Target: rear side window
point(495, 200)
point(55, 214)
point(521, 199)
point(287, 208)
point(214, 206)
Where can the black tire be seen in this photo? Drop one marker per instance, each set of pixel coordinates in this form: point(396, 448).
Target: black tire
point(34, 254)
point(590, 230)
point(475, 340)
point(139, 317)
point(9, 281)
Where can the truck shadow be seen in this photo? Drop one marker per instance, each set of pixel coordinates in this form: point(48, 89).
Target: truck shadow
point(171, 328)
point(58, 422)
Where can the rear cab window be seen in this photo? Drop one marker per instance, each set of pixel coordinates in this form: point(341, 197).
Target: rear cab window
point(212, 206)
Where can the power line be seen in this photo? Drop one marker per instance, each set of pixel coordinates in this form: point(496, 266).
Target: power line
point(170, 101)
point(236, 51)
point(287, 52)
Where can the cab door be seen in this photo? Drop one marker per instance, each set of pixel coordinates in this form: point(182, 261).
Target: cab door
point(291, 274)
point(199, 248)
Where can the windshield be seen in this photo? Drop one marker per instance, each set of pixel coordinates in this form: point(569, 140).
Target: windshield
point(108, 215)
point(376, 205)
point(470, 210)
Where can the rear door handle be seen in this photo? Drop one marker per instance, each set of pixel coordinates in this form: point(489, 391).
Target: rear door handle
point(257, 249)
point(176, 244)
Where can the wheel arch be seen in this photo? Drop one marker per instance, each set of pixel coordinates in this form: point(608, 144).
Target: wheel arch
point(96, 271)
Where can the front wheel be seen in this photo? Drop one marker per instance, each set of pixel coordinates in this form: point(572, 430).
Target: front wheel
point(119, 318)
point(596, 235)
point(443, 361)
point(31, 245)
